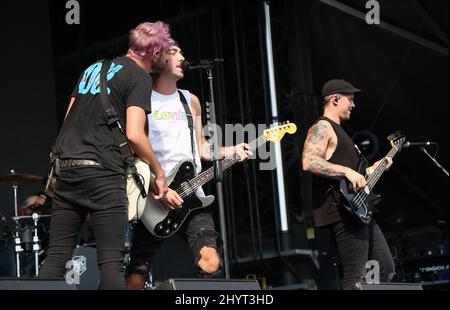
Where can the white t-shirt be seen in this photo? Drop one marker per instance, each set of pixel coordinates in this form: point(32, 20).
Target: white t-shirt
point(169, 133)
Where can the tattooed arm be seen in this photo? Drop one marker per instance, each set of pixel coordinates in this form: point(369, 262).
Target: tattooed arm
point(315, 153)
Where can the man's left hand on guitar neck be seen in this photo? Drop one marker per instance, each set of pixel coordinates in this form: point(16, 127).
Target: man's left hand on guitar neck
point(243, 150)
point(372, 169)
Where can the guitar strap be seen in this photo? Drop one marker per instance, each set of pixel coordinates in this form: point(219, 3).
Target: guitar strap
point(120, 138)
point(362, 158)
point(190, 121)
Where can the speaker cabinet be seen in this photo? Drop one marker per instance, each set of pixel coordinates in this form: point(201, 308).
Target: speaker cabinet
point(34, 284)
point(209, 285)
point(392, 287)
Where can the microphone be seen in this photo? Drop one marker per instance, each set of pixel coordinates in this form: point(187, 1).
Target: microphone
point(201, 64)
point(418, 144)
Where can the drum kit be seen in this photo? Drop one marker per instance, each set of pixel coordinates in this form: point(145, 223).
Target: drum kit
point(23, 249)
point(24, 242)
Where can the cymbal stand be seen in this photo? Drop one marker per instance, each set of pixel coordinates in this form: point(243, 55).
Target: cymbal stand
point(36, 245)
point(18, 243)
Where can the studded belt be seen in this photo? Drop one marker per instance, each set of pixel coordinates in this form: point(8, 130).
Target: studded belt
point(70, 163)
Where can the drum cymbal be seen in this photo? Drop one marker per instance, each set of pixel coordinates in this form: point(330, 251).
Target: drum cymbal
point(19, 179)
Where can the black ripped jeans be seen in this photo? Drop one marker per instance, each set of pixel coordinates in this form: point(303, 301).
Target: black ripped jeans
point(81, 191)
point(357, 244)
point(198, 231)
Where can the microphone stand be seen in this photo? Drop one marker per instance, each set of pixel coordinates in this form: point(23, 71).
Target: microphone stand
point(215, 151)
point(434, 161)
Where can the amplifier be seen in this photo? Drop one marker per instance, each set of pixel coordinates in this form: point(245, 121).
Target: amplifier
point(392, 287)
point(209, 285)
point(34, 284)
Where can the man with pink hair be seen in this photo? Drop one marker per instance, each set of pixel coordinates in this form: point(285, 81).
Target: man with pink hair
point(91, 178)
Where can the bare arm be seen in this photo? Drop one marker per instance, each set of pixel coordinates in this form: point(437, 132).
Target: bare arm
point(315, 152)
point(204, 148)
point(72, 101)
point(136, 121)
point(203, 145)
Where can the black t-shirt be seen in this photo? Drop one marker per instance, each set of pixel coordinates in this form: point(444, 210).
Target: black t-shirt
point(85, 133)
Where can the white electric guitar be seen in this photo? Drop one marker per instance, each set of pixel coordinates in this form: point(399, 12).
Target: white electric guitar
point(162, 222)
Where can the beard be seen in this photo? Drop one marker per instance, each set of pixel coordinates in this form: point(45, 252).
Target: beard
point(346, 116)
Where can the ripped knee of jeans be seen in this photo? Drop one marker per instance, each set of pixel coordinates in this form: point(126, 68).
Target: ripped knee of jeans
point(209, 264)
point(209, 260)
point(204, 238)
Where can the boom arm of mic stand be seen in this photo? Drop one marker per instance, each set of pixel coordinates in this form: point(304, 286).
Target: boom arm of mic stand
point(434, 161)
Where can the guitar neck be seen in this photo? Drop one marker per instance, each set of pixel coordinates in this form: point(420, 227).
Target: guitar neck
point(375, 177)
point(226, 163)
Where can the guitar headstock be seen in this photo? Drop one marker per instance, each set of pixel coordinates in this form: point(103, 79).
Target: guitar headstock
point(397, 140)
point(276, 132)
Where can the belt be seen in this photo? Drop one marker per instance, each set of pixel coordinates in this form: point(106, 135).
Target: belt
point(70, 163)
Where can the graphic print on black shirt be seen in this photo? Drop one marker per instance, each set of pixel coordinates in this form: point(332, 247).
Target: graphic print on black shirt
point(85, 133)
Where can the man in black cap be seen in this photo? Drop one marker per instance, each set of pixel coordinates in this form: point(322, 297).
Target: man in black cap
point(330, 154)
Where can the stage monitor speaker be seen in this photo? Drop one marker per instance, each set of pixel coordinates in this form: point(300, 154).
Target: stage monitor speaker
point(392, 287)
point(14, 284)
point(209, 285)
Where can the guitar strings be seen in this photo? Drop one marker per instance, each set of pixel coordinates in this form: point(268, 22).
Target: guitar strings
point(362, 195)
point(192, 189)
point(185, 192)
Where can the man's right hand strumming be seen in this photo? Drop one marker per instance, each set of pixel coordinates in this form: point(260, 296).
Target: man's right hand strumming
point(160, 188)
point(173, 200)
point(358, 180)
